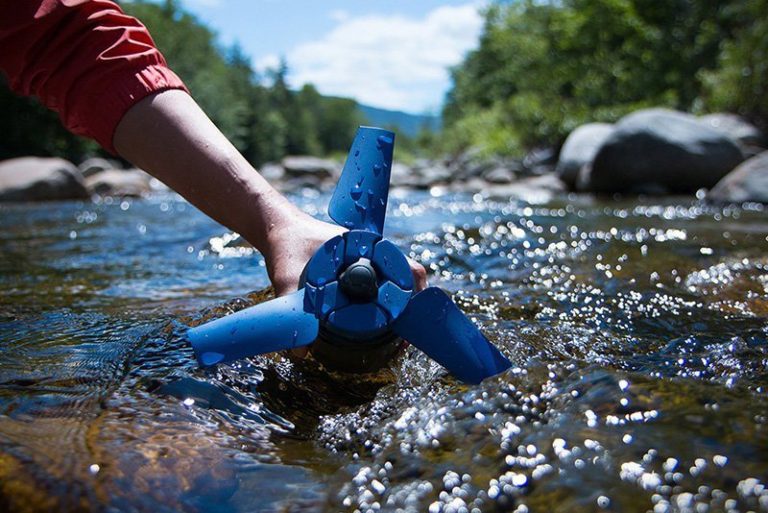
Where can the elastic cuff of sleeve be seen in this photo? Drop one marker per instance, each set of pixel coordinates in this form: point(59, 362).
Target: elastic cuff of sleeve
point(117, 93)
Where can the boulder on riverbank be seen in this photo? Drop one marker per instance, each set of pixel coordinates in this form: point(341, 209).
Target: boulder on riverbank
point(40, 179)
point(119, 182)
point(746, 135)
point(748, 182)
point(579, 149)
point(474, 163)
point(305, 172)
point(95, 165)
point(304, 165)
point(533, 189)
point(499, 175)
point(539, 161)
point(660, 151)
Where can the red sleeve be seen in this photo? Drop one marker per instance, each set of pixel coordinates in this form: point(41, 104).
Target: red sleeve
point(85, 59)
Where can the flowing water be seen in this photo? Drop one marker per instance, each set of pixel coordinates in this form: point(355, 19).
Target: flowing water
point(638, 331)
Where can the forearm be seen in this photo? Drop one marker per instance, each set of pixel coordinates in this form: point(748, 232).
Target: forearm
point(99, 69)
point(171, 138)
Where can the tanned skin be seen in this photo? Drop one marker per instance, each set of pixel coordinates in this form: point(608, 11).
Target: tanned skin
point(170, 137)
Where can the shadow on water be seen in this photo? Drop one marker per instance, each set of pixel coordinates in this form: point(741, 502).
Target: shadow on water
point(638, 332)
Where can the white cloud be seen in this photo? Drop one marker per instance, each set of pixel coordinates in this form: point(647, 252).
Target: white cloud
point(339, 15)
point(388, 61)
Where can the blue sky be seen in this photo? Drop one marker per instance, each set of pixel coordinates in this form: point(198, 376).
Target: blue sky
point(393, 54)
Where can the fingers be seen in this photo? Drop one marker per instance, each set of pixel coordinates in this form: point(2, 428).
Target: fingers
point(419, 275)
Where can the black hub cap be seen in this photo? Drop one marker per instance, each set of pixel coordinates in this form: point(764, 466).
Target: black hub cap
point(359, 281)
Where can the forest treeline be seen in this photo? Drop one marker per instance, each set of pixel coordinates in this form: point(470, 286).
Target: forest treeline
point(544, 67)
point(541, 68)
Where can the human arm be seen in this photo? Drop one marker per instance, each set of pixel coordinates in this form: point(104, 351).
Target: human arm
point(99, 69)
point(170, 137)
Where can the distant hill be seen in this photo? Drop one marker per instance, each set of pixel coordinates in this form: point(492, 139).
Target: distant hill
point(407, 124)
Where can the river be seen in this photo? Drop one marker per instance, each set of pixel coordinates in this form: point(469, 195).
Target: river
point(637, 328)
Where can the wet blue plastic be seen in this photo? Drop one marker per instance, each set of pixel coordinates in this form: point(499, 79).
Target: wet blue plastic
point(429, 320)
point(325, 299)
point(360, 199)
point(271, 326)
point(434, 324)
point(325, 264)
point(391, 265)
point(359, 244)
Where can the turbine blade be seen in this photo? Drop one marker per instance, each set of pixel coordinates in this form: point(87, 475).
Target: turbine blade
point(433, 323)
point(271, 326)
point(360, 199)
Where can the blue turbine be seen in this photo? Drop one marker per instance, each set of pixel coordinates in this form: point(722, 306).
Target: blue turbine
point(356, 300)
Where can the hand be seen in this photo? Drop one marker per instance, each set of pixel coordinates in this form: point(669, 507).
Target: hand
point(293, 243)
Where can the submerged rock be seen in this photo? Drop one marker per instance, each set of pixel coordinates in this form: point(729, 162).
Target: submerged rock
point(40, 179)
point(116, 182)
point(580, 148)
point(748, 182)
point(659, 151)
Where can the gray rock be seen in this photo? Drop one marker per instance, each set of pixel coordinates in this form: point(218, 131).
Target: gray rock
point(272, 171)
point(474, 184)
point(96, 165)
point(118, 182)
point(300, 183)
point(472, 162)
point(747, 136)
point(40, 179)
point(584, 177)
point(435, 173)
point(580, 148)
point(301, 165)
point(156, 185)
point(423, 174)
point(402, 175)
point(499, 175)
point(534, 189)
point(539, 161)
point(661, 151)
point(748, 182)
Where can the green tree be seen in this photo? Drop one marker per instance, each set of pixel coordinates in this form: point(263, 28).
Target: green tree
point(543, 68)
point(337, 122)
point(28, 128)
point(190, 49)
point(740, 82)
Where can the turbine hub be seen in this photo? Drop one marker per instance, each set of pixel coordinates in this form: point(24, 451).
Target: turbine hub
point(357, 284)
point(359, 281)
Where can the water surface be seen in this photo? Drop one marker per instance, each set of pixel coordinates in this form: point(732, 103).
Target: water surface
point(638, 330)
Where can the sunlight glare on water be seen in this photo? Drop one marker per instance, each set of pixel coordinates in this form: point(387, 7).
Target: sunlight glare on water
point(637, 330)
